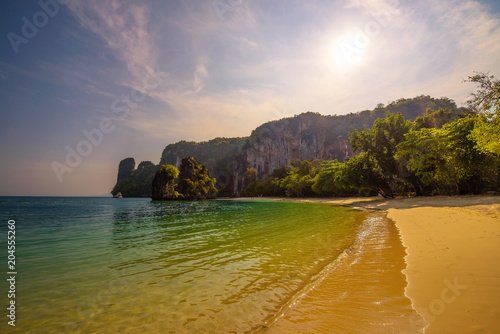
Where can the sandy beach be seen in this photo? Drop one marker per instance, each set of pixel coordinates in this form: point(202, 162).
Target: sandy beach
point(452, 245)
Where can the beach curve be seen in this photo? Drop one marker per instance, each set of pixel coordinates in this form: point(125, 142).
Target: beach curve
point(452, 246)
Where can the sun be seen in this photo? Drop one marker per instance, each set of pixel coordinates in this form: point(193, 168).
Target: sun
point(347, 52)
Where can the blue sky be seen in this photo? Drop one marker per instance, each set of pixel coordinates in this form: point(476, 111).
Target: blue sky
point(138, 75)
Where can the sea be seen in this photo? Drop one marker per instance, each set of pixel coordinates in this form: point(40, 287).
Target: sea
point(131, 265)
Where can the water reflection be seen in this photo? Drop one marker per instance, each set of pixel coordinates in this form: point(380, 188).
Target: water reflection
point(227, 256)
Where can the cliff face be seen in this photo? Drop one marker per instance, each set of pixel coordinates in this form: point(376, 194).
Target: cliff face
point(280, 144)
point(135, 182)
point(125, 168)
point(163, 187)
point(308, 136)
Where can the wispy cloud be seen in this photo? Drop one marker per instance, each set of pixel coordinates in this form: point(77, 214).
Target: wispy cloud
point(124, 28)
point(200, 74)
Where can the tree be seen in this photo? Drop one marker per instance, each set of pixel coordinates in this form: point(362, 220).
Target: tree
point(487, 136)
point(424, 152)
point(380, 141)
point(300, 179)
point(474, 167)
point(292, 185)
point(250, 182)
point(380, 144)
point(485, 102)
point(326, 182)
point(170, 171)
point(487, 98)
point(448, 160)
point(434, 119)
point(363, 173)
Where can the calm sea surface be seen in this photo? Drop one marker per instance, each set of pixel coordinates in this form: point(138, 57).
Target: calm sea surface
point(105, 265)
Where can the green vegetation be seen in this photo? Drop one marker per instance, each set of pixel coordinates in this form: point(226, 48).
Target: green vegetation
point(163, 186)
point(445, 151)
point(219, 155)
point(193, 182)
point(138, 182)
point(486, 105)
point(418, 146)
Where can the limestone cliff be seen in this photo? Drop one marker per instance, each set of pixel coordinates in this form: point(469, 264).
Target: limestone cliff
point(145, 164)
point(218, 155)
point(135, 182)
point(272, 145)
point(163, 185)
point(125, 168)
point(309, 136)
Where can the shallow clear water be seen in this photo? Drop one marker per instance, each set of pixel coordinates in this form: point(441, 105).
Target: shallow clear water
point(102, 265)
point(365, 293)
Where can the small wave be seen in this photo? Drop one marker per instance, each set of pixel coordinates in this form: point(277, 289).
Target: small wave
point(362, 290)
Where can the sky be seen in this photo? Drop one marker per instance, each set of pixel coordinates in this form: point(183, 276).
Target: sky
point(85, 84)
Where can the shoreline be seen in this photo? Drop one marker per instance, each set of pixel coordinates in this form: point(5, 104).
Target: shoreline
point(363, 293)
point(452, 246)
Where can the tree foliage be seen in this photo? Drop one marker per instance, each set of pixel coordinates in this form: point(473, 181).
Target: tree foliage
point(486, 104)
point(195, 181)
point(435, 119)
point(487, 97)
point(444, 151)
point(380, 141)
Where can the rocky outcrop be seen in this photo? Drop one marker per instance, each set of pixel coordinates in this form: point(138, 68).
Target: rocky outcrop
point(195, 181)
point(135, 182)
point(163, 185)
point(218, 155)
point(145, 164)
point(125, 168)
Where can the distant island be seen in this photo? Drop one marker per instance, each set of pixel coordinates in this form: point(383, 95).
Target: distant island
point(417, 146)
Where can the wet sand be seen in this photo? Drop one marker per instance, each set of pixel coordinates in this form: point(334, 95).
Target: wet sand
point(364, 292)
point(453, 271)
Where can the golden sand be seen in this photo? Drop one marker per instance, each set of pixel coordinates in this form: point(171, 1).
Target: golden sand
point(453, 265)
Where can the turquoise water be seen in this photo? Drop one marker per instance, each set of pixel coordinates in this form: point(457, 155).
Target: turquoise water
point(104, 265)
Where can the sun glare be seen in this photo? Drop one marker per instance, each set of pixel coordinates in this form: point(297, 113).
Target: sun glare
point(346, 53)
